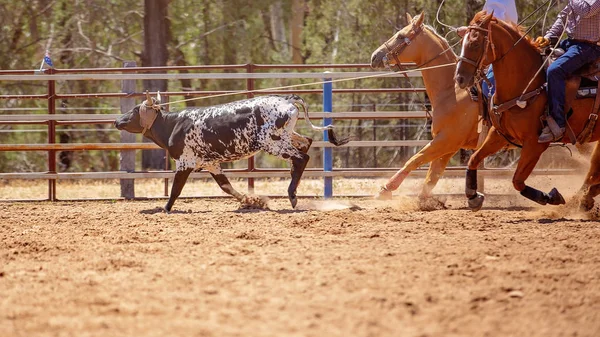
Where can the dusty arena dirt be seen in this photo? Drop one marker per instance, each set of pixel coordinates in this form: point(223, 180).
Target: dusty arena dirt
point(330, 268)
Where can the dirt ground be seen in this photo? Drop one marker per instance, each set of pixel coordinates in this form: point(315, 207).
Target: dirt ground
point(330, 268)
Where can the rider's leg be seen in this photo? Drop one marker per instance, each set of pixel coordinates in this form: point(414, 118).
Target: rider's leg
point(486, 90)
point(577, 54)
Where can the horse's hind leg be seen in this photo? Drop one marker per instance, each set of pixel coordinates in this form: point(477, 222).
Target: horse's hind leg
point(436, 169)
point(530, 154)
point(492, 144)
point(591, 184)
point(438, 147)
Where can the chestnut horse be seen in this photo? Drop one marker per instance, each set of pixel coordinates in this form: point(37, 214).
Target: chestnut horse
point(454, 113)
point(519, 102)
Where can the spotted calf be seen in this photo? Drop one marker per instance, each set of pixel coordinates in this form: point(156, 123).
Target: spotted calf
point(203, 138)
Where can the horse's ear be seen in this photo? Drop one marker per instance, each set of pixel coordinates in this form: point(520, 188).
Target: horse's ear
point(420, 19)
point(408, 18)
point(488, 17)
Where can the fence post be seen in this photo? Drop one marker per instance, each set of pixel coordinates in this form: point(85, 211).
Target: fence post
point(51, 135)
point(127, 157)
point(327, 151)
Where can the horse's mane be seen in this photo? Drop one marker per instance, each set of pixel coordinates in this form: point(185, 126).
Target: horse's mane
point(514, 29)
point(443, 40)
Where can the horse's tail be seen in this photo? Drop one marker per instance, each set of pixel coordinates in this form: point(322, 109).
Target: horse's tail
point(298, 101)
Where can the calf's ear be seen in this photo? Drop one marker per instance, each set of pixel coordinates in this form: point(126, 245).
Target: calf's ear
point(158, 99)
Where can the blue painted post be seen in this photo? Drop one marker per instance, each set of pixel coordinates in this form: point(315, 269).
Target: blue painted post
point(327, 151)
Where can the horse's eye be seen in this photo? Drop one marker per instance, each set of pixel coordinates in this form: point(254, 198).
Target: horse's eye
point(475, 45)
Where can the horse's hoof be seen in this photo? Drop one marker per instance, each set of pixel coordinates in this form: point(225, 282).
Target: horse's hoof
point(476, 202)
point(586, 205)
point(431, 203)
point(384, 194)
point(294, 201)
point(555, 198)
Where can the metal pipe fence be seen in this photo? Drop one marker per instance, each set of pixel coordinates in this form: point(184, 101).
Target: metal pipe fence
point(251, 73)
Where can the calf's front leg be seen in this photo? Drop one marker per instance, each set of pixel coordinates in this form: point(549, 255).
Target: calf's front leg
point(178, 183)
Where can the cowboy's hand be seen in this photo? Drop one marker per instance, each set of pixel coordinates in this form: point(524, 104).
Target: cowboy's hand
point(542, 41)
point(461, 31)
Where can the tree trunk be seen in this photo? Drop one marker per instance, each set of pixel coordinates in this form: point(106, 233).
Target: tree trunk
point(155, 53)
point(298, 8)
point(473, 6)
point(278, 29)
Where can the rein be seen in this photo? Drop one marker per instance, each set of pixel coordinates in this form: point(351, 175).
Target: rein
point(394, 52)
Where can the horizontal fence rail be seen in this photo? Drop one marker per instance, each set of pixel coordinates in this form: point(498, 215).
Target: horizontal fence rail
point(250, 73)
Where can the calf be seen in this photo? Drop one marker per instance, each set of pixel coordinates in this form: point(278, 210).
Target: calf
point(203, 138)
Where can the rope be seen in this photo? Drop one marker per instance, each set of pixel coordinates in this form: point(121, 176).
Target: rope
point(522, 103)
point(437, 18)
point(313, 83)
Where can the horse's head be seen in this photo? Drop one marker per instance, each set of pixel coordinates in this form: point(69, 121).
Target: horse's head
point(475, 52)
point(400, 47)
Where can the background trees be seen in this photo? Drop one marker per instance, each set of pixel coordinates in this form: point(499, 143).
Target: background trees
point(90, 34)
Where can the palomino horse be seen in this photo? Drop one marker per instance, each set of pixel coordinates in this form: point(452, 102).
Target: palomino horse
point(454, 113)
point(518, 107)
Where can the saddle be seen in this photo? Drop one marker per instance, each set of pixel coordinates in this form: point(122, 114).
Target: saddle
point(585, 83)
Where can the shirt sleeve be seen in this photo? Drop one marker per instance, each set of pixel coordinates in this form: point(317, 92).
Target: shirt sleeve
point(503, 10)
point(557, 28)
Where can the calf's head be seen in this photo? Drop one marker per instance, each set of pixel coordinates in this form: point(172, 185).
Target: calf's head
point(141, 117)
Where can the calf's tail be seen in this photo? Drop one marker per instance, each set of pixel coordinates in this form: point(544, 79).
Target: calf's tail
point(333, 139)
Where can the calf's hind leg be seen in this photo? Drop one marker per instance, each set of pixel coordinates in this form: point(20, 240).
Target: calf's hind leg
point(178, 183)
point(285, 150)
point(301, 143)
point(217, 173)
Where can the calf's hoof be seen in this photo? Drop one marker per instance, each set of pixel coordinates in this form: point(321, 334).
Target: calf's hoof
point(476, 202)
point(555, 198)
point(294, 201)
point(384, 194)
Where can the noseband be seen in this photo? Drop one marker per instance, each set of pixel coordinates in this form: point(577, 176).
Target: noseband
point(392, 53)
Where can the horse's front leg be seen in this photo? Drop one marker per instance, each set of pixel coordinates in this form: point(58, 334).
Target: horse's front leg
point(530, 154)
point(492, 144)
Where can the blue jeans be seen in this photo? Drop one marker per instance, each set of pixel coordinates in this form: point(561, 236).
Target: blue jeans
point(487, 91)
point(577, 54)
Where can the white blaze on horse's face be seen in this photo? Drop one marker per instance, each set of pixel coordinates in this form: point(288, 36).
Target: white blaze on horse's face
point(462, 78)
point(464, 43)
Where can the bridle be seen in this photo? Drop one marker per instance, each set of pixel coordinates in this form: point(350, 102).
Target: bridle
point(478, 64)
point(392, 53)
